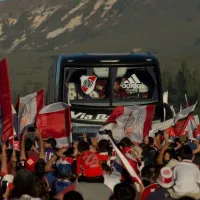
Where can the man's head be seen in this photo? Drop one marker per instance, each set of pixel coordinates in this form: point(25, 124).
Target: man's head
point(116, 85)
point(185, 153)
point(125, 142)
point(123, 79)
point(50, 143)
point(83, 146)
point(124, 191)
point(40, 168)
point(106, 169)
point(73, 195)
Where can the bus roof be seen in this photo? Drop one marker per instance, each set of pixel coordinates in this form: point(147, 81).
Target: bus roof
point(108, 58)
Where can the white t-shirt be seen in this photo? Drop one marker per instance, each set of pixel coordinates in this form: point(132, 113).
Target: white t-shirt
point(25, 196)
point(187, 178)
point(112, 179)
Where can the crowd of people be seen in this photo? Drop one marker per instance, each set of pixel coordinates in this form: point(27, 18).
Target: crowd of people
point(92, 170)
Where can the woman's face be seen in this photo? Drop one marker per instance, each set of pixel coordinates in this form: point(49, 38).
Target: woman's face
point(166, 157)
point(46, 145)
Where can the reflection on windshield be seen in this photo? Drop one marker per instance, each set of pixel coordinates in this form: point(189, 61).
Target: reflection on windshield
point(134, 83)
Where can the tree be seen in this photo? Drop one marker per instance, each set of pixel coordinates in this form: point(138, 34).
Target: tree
point(182, 83)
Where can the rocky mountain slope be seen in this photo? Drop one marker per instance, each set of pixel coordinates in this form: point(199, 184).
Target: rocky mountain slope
point(31, 31)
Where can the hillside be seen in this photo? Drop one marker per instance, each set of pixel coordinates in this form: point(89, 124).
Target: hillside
point(32, 31)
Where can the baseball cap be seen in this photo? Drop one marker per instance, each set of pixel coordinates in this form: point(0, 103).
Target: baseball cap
point(30, 163)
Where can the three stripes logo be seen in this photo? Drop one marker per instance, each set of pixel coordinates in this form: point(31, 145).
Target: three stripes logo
point(133, 83)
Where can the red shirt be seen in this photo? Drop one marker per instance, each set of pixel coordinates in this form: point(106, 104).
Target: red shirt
point(171, 131)
point(89, 164)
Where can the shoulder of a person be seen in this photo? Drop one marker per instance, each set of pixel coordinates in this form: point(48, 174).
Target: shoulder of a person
point(115, 173)
point(153, 185)
point(51, 174)
point(183, 163)
point(160, 193)
point(112, 176)
point(191, 163)
point(60, 195)
point(94, 187)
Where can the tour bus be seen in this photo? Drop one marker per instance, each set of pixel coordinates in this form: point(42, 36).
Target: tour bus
point(93, 84)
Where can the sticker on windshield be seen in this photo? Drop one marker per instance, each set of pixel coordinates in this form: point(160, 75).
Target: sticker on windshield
point(133, 84)
point(88, 83)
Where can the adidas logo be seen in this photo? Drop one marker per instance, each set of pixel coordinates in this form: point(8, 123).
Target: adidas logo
point(133, 83)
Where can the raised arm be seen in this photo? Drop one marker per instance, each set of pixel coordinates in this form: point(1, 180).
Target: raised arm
point(39, 136)
point(161, 155)
point(22, 150)
point(4, 167)
point(54, 158)
point(13, 163)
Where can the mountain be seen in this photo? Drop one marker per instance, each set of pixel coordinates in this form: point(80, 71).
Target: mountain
point(32, 31)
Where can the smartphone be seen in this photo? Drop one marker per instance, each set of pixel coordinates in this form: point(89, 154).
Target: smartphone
point(4, 185)
point(16, 146)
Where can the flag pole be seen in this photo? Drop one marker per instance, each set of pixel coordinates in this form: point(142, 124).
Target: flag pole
point(111, 87)
point(187, 104)
point(165, 101)
point(69, 104)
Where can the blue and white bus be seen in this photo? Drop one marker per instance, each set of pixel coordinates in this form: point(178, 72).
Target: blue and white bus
point(96, 83)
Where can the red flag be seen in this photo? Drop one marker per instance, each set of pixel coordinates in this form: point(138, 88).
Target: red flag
point(5, 101)
point(189, 127)
point(28, 108)
point(54, 121)
point(179, 126)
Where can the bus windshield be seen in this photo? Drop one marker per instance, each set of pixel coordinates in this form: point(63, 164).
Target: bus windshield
point(119, 83)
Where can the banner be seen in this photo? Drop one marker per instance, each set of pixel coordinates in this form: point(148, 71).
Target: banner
point(5, 102)
point(172, 122)
point(28, 108)
point(132, 121)
point(54, 120)
point(184, 113)
point(126, 163)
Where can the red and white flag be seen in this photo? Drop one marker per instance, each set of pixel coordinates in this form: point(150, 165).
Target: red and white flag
point(28, 108)
point(1, 121)
point(188, 127)
point(172, 122)
point(54, 120)
point(15, 120)
point(187, 102)
point(88, 83)
point(132, 121)
point(127, 165)
point(184, 113)
point(5, 102)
